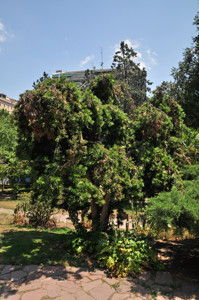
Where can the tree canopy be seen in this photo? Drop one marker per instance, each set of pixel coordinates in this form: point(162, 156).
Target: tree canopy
point(186, 78)
point(127, 71)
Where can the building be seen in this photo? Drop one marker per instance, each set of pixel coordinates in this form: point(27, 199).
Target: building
point(7, 103)
point(78, 76)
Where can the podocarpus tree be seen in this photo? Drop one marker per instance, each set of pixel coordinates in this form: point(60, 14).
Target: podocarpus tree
point(78, 143)
point(160, 146)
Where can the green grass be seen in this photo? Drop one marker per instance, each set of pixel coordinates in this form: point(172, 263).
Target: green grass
point(20, 245)
point(9, 204)
point(30, 246)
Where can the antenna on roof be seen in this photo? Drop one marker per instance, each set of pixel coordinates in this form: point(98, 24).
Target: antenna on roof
point(102, 60)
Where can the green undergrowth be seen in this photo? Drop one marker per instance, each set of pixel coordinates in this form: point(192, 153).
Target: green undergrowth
point(120, 253)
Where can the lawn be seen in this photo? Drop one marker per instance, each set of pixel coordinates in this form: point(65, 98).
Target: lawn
point(22, 245)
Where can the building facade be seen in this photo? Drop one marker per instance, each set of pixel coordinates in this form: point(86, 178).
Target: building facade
point(7, 103)
point(79, 76)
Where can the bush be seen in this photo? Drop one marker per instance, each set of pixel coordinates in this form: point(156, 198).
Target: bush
point(120, 253)
point(36, 215)
point(179, 208)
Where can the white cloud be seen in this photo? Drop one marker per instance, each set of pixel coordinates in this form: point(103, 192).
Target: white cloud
point(1, 26)
point(86, 60)
point(142, 65)
point(4, 35)
point(151, 57)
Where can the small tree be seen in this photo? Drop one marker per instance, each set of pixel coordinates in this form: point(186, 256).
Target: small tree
point(84, 140)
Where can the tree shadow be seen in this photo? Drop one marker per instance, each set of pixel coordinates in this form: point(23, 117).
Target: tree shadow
point(32, 256)
point(180, 257)
point(26, 256)
point(38, 247)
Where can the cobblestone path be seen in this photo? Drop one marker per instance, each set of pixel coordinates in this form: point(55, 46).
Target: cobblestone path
point(70, 283)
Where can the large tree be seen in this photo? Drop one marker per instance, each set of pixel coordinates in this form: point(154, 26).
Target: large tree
point(127, 71)
point(186, 79)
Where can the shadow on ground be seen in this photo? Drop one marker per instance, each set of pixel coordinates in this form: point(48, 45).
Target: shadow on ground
point(34, 257)
point(37, 247)
point(180, 257)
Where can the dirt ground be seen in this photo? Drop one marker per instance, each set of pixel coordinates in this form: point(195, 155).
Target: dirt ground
point(180, 257)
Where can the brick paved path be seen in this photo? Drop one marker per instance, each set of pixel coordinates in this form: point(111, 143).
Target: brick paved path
point(59, 282)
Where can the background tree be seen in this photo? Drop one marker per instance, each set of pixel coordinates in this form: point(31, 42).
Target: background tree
point(8, 142)
point(127, 71)
point(108, 90)
point(40, 80)
point(186, 78)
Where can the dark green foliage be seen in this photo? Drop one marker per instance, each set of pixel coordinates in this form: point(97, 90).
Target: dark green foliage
point(10, 167)
point(8, 136)
point(179, 208)
point(120, 253)
point(151, 149)
point(186, 77)
point(110, 91)
point(78, 144)
point(40, 80)
point(127, 71)
point(89, 157)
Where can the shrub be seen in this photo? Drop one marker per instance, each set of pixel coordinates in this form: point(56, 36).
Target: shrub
point(179, 208)
point(36, 215)
point(120, 253)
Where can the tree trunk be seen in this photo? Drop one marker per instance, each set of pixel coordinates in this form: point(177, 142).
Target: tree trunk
point(94, 214)
point(103, 216)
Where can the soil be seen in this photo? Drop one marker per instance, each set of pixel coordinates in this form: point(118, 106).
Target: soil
point(180, 257)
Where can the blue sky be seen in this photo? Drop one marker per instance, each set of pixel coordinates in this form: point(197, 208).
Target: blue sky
point(48, 35)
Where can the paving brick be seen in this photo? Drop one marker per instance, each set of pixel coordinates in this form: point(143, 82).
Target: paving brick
point(90, 285)
point(6, 276)
point(17, 275)
point(34, 295)
point(124, 288)
point(48, 281)
point(94, 276)
point(12, 297)
point(111, 281)
point(103, 291)
point(67, 296)
point(119, 296)
point(30, 286)
point(53, 291)
point(97, 272)
point(84, 280)
point(7, 269)
point(81, 295)
point(32, 268)
point(68, 286)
